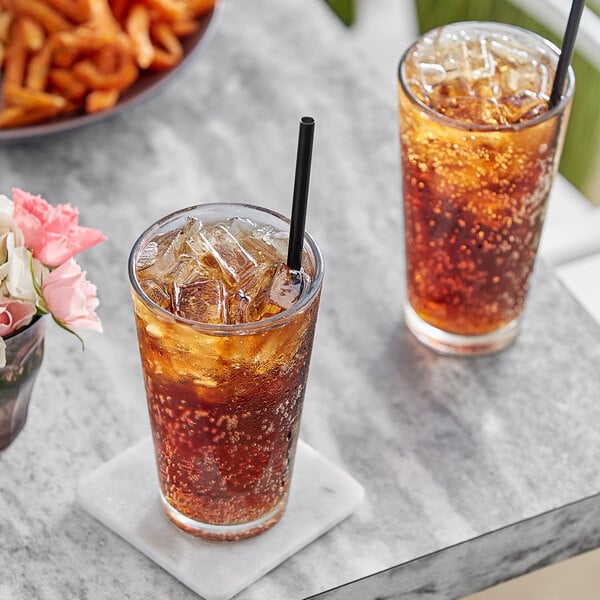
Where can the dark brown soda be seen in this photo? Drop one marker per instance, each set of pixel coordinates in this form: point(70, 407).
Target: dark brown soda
point(474, 205)
point(225, 446)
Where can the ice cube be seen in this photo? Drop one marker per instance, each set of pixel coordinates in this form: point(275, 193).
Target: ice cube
point(483, 63)
point(251, 285)
point(430, 74)
point(283, 291)
point(164, 251)
point(479, 111)
point(523, 106)
point(449, 51)
point(486, 88)
point(156, 292)
point(238, 307)
point(203, 301)
point(224, 248)
point(287, 286)
point(530, 77)
point(264, 246)
point(509, 52)
point(449, 90)
point(147, 256)
point(240, 227)
point(419, 91)
point(465, 62)
point(280, 241)
point(187, 269)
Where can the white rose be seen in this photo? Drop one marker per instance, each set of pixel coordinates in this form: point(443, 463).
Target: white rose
point(6, 205)
point(15, 273)
point(8, 226)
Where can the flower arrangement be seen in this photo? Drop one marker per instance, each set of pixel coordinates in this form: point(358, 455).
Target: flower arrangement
point(38, 274)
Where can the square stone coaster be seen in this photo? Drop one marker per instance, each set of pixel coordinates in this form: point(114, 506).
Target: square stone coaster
point(123, 495)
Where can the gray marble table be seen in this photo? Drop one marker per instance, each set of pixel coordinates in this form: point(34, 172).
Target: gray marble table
point(475, 470)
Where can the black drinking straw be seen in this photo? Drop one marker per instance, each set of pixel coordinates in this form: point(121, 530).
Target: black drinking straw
point(566, 52)
point(300, 199)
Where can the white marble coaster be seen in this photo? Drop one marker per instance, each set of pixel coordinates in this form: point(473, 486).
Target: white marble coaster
point(123, 494)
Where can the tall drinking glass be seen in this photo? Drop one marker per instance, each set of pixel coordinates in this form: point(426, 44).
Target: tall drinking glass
point(480, 148)
point(225, 332)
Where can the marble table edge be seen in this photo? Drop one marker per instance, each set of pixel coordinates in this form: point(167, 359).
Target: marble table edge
point(485, 560)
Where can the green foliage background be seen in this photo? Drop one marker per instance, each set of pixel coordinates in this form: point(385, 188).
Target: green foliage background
point(582, 144)
point(344, 9)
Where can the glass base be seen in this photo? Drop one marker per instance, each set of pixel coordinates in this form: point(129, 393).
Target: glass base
point(9, 430)
point(454, 344)
point(224, 533)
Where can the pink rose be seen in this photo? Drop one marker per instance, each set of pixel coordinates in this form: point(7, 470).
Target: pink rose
point(51, 232)
point(14, 314)
point(71, 298)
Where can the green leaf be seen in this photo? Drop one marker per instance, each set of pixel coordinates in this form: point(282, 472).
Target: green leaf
point(42, 309)
point(344, 9)
point(69, 330)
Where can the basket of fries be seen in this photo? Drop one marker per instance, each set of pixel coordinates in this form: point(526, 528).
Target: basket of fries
point(65, 58)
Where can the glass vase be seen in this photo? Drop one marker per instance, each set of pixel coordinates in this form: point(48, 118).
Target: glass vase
point(24, 353)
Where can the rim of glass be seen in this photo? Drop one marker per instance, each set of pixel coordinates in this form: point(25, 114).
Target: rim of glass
point(465, 125)
point(274, 321)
